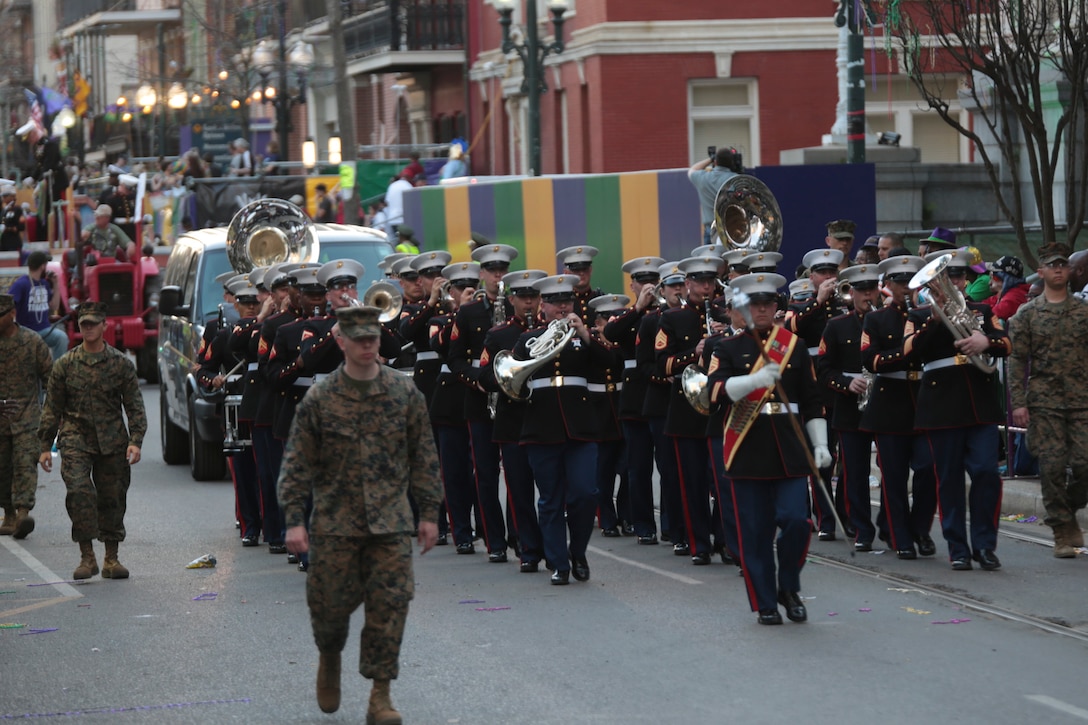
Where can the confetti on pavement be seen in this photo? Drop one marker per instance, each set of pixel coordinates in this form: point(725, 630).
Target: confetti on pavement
point(865, 609)
point(912, 610)
point(491, 609)
point(12, 625)
point(38, 630)
point(472, 601)
point(206, 597)
point(951, 621)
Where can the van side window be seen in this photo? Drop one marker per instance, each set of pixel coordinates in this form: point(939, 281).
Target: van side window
point(177, 267)
point(188, 287)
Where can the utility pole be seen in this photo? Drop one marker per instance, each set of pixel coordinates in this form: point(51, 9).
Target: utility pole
point(345, 94)
point(849, 16)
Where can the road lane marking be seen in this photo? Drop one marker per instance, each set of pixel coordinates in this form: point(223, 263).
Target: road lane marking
point(1059, 706)
point(663, 572)
point(63, 588)
point(31, 607)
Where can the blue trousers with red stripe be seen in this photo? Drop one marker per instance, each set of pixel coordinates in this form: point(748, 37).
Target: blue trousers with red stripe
point(672, 501)
point(566, 478)
point(855, 449)
point(972, 449)
point(456, 461)
point(640, 473)
point(762, 508)
point(693, 462)
point(485, 458)
point(521, 501)
point(898, 455)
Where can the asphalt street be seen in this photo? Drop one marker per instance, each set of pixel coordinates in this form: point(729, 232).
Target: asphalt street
point(649, 639)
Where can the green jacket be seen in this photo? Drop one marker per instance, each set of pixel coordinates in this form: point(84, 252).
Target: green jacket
point(87, 392)
point(359, 456)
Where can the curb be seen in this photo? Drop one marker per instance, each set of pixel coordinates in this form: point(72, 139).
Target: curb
point(1022, 496)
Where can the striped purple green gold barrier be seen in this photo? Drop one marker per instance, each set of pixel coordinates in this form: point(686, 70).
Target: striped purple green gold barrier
point(623, 215)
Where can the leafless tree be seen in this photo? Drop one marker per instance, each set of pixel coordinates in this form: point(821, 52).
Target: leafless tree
point(1023, 66)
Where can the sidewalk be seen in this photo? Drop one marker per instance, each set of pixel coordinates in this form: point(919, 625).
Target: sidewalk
point(1021, 496)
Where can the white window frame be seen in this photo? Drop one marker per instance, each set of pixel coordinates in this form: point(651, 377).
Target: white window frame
point(749, 112)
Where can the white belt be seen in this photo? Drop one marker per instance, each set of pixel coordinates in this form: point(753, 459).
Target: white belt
point(902, 375)
point(475, 363)
point(814, 351)
point(604, 387)
point(854, 375)
point(558, 381)
point(252, 366)
point(304, 382)
point(946, 362)
point(445, 369)
point(628, 364)
point(778, 408)
point(426, 355)
point(233, 378)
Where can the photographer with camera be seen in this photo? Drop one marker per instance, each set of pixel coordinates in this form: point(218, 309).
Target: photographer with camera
point(37, 301)
point(707, 176)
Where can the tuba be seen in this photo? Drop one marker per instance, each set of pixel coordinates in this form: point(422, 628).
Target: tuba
point(746, 216)
point(270, 231)
point(511, 374)
point(953, 313)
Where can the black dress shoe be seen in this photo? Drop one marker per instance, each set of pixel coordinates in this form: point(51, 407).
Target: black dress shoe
point(962, 564)
point(442, 540)
point(770, 616)
point(292, 558)
point(466, 548)
point(560, 578)
point(681, 549)
point(627, 529)
point(851, 533)
point(277, 549)
point(250, 541)
point(304, 566)
point(580, 569)
point(795, 608)
point(722, 551)
point(530, 567)
point(611, 532)
point(701, 559)
point(987, 560)
point(862, 546)
point(648, 540)
point(826, 536)
point(497, 557)
point(907, 554)
point(926, 547)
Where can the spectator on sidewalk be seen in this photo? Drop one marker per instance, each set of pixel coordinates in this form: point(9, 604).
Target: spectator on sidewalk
point(1009, 286)
point(37, 302)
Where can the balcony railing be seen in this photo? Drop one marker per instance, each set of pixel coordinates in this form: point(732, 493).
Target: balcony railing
point(72, 11)
point(403, 25)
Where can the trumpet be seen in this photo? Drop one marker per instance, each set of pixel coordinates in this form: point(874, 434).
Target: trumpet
point(843, 294)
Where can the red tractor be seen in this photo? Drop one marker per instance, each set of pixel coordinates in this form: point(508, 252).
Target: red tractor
point(130, 289)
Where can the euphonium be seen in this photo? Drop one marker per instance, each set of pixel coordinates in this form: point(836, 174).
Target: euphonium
point(270, 231)
point(511, 374)
point(954, 312)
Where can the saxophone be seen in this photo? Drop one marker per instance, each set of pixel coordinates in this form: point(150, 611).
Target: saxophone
point(498, 317)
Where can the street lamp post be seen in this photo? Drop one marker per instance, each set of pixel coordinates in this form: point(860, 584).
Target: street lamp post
point(532, 54)
point(301, 58)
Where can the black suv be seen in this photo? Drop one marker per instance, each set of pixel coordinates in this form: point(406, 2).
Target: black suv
point(190, 422)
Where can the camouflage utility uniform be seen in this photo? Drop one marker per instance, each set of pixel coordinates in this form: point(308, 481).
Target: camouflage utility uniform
point(1049, 347)
point(360, 448)
point(25, 362)
point(86, 394)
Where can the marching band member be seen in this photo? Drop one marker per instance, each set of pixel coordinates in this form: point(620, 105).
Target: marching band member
point(521, 495)
point(890, 416)
point(623, 331)
point(466, 345)
point(578, 261)
point(559, 432)
point(679, 343)
point(838, 364)
point(605, 386)
point(808, 320)
point(656, 408)
point(411, 286)
point(959, 407)
point(448, 411)
point(763, 452)
point(724, 518)
point(416, 318)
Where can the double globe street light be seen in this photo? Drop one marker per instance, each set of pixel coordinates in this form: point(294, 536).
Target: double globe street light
point(268, 57)
point(532, 53)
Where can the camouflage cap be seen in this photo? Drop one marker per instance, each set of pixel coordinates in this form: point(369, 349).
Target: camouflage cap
point(841, 229)
point(94, 311)
point(1053, 251)
point(7, 304)
point(358, 322)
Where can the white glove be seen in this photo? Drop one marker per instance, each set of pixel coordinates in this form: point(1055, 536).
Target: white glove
point(817, 433)
point(740, 386)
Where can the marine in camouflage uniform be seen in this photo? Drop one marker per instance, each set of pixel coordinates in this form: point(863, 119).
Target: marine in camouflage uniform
point(359, 445)
point(90, 386)
point(1049, 344)
point(24, 373)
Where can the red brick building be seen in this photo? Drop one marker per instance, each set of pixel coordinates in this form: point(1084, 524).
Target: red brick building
point(645, 84)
